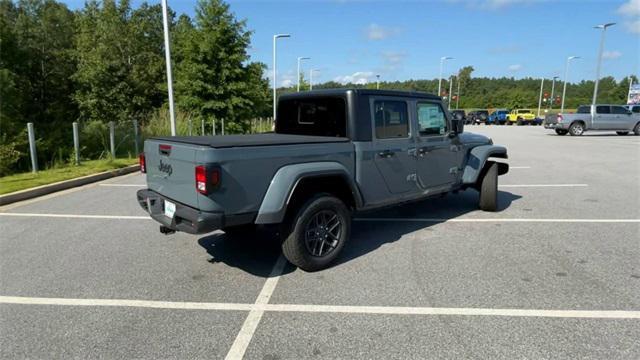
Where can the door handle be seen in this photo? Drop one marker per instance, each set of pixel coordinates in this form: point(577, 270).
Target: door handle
point(386, 154)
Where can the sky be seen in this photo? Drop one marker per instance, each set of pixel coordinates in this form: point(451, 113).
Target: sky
point(356, 40)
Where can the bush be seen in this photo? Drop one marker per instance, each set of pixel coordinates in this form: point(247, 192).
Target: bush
point(9, 156)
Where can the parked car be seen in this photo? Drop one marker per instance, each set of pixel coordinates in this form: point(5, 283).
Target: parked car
point(333, 153)
point(595, 117)
point(459, 115)
point(522, 117)
point(478, 117)
point(498, 117)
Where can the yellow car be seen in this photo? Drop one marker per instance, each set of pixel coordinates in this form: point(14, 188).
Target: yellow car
point(521, 117)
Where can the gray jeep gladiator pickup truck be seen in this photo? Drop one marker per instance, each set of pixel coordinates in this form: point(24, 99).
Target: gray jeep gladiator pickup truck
point(333, 153)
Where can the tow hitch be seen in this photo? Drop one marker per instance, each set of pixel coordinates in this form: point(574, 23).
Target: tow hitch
point(165, 230)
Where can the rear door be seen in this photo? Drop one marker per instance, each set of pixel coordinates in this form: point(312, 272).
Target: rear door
point(438, 155)
point(393, 143)
point(171, 170)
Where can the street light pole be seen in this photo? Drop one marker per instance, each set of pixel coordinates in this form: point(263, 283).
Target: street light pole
point(298, 74)
point(450, 90)
point(275, 73)
point(566, 77)
point(595, 88)
point(378, 82)
point(553, 87)
point(442, 59)
point(458, 92)
point(540, 97)
point(167, 56)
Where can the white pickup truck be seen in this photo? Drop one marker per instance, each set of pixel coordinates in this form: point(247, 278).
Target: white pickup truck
point(601, 117)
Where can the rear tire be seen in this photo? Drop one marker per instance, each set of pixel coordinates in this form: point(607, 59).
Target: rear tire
point(561, 132)
point(489, 189)
point(636, 129)
point(622, 133)
point(317, 233)
point(576, 129)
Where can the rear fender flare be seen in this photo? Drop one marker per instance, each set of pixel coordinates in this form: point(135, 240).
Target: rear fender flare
point(274, 204)
point(478, 157)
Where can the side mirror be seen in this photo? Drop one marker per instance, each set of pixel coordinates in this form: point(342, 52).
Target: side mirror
point(457, 126)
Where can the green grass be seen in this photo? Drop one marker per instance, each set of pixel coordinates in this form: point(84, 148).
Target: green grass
point(23, 181)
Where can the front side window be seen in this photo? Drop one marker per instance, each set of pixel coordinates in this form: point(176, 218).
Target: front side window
point(635, 109)
point(391, 119)
point(603, 109)
point(431, 119)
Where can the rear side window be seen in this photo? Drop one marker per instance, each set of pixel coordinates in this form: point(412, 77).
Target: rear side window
point(431, 119)
point(319, 116)
point(618, 110)
point(391, 119)
point(603, 109)
point(583, 110)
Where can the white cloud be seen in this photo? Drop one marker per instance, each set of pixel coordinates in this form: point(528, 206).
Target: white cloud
point(633, 26)
point(358, 78)
point(515, 67)
point(286, 83)
point(610, 55)
point(630, 8)
point(377, 32)
point(494, 4)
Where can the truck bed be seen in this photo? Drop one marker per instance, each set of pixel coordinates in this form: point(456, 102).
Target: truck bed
point(266, 139)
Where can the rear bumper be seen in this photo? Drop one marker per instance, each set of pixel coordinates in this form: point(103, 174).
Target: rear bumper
point(556, 126)
point(186, 218)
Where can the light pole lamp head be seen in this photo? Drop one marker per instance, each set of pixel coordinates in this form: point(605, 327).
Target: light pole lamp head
point(573, 57)
point(446, 58)
point(603, 26)
point(277, 36)
point(303, 58)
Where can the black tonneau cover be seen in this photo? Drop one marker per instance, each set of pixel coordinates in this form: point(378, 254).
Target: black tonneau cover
point(266, 139)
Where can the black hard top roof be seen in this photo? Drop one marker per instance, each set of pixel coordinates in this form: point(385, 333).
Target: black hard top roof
point(342, 92)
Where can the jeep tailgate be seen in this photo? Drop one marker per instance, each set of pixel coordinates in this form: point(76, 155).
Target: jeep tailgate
point(171, 170)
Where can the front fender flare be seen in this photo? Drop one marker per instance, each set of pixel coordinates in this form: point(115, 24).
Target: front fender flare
point(274, 204)
point(478, 157)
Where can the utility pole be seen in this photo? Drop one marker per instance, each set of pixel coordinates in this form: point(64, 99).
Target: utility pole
point(553, 87)
point(566, 78)
point(458, 92)
point(378, 82)
point(442, 60)
point(540, 97)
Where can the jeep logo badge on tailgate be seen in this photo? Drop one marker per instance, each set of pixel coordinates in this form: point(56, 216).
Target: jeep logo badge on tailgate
point(165, 168)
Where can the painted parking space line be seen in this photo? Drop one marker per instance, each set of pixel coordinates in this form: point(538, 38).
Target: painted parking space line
point(123, 185)
point(541, 185)
point(248, 329)
point(260, 307)
point(74, 216)
point(497, 220)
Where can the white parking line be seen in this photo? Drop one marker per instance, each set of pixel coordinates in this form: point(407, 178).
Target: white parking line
point(124, 185)
point(244, 337)
point(543, 185)
point(497, 220)
point(245, 334)
point(73, 216)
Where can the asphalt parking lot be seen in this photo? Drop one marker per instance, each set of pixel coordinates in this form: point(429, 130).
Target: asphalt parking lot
point(554, 274)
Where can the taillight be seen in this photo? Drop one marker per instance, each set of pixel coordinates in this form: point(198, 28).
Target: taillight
point(143, 163)
point(207, 179)
point(559, 118)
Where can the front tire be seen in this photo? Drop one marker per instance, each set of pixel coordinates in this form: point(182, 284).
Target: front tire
point(489, 189)
point(317, 233)
point(576, 129)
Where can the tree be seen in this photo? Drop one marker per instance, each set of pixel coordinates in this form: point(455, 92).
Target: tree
point(214, 78)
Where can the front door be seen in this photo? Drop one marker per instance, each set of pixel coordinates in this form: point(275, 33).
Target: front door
point(604, 119)
point(393, 144)
point(438, 155)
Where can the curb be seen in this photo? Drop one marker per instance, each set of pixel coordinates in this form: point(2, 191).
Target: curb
point(63, 185)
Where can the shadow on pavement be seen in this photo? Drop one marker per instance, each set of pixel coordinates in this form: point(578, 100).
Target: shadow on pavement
point(257, 253)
